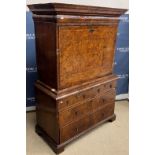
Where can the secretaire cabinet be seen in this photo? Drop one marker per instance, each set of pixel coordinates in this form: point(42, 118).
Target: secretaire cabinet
point(75, 90)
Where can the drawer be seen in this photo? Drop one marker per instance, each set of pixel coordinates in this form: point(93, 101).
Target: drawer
point(83, 124)
point(102, 100)
point(103, 113)
point(75, 113)
point(85, 95)
point(86, 107)
point(74, 129)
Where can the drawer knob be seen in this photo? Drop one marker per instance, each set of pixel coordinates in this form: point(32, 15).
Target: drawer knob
point(53, 90)
point(61, 102)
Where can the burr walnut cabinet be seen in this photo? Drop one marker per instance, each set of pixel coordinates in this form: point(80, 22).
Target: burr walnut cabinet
point(75, 90)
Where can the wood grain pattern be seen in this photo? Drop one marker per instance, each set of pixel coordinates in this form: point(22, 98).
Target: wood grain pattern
point(79, 126)
point(94, 42)
point(75, 90)
point(85, 107)
point(90, 93)
point(52, 117)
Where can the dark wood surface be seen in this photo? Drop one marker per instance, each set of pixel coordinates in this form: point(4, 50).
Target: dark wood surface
point(46, 52)
point(64, 117)
point(86, 122)
point(75, 90)
point(46, 114)
point(58, 148)
point(71, 9)
point(71, 113)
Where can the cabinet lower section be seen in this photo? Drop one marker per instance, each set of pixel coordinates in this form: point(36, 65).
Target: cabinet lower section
point(85, 123)
point(58, 148)
point(63, 118)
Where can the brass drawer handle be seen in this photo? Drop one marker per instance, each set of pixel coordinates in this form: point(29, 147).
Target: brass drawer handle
point(61, 102)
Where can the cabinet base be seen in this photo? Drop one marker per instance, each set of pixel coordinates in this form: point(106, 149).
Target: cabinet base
point(60, 148)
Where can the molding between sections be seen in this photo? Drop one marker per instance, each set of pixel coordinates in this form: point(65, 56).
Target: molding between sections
point(118, 97)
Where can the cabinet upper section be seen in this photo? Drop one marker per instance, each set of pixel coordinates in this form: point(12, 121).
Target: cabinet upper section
point(74, 10)
point(74, 43)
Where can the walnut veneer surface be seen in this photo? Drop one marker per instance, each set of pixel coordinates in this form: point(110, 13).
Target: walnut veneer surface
point(75, 90)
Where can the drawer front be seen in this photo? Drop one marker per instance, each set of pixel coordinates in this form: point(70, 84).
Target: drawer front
point(74, 129)
point(85, 95)
point(86, 52)
point(75, 113)
point(86, 107)
point(106, 98)
point(103, 113)
point(83, 124)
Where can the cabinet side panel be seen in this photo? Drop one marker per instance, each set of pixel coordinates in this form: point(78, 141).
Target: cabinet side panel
point(46, 114)
point(46, 52)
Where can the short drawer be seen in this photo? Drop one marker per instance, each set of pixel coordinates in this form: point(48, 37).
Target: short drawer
point(85, 95)
point(74, 129)
point(103, 113)
point(75, 113)
point(86, 107)
point(102, 100)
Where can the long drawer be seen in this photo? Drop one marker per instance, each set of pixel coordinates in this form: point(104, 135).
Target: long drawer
point(85, 95)
point(84, 108)
point(83, 124)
